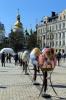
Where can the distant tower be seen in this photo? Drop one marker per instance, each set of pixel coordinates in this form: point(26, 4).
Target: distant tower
point(36, 25)
point(18, 25)
point(30, 30)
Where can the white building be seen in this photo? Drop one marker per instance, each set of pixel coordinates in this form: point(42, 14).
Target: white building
point(2, 32)
point(52, 32)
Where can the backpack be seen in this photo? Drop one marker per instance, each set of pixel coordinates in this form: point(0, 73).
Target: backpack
point(47, 60)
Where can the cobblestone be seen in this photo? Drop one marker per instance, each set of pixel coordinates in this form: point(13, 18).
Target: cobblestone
point(15, 85)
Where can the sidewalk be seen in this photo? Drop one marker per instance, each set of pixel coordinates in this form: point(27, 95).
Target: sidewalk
point(15, 85)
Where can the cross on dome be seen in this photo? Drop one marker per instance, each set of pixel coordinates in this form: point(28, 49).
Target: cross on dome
point(18, 10)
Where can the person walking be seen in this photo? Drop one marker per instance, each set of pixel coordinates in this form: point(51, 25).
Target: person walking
point(58, 57)
point(3, 59)
point(16, 59)
point(21, 62)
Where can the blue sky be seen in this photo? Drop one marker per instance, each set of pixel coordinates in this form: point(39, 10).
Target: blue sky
point(30, 10)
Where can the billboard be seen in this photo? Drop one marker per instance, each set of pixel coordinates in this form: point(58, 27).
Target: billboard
point(2, 30)
point(1, 26)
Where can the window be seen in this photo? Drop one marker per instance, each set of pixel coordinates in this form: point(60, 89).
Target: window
point(26, 38)
point(52, 43)
point(63, 25)
point(54, 19)
point(59, 26)
point(63, 42)
point(63, 34)
point(56, 27)
point(44, 22)
point(53, 36)
point(50, 37)
point(64, 16)
point(60, 35)
point(52, 27)
point(60, 43)
point(38, 30)
point(44, 36)
point(56, 43)
point(41, 30)
point(44, 45)
point(60, 17)
point(56, 35)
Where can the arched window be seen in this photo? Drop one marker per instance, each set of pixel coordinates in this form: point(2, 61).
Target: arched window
point(64, 16)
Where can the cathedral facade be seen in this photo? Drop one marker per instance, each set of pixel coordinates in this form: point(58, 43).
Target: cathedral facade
point(18, 27)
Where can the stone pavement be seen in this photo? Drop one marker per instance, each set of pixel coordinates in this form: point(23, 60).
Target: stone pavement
point(15, 85)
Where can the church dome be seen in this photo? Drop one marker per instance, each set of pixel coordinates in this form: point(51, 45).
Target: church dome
point(18, 24)
point(26, 32)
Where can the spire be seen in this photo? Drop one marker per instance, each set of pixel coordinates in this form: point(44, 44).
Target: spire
point(36, 21)
point(30, 29)
point(36, 24)
point(18, 16)
point(18, 10)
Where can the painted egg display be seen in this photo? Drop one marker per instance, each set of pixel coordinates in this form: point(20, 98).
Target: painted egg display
point(36, 51)
point(47, 60)
point(34, 56)
point(26, 56)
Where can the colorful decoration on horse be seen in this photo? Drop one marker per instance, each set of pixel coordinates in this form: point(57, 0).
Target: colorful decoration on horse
point(34, 56)
point(26, 56)
point(47, 60)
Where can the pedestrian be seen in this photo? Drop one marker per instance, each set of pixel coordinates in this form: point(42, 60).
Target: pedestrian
point(7, 57)
point(64, 56)
point(3, 59)
point(21, 62)
point(16, 58)
point(58, 57)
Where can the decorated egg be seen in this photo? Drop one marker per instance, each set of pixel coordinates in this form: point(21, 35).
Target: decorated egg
point(26, 56)
point(47, 60)
point(36, 51)
point(34, 56)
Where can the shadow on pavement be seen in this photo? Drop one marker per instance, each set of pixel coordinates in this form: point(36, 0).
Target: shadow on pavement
point(59, 86)
point(3, 87)
point(3, 71)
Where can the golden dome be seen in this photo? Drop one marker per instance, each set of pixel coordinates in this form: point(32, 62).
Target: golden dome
point(18, 24)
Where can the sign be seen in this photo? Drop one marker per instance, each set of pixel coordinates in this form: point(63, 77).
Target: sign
point(1, 26)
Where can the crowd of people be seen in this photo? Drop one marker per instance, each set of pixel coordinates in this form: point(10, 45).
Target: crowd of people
point(6, 58)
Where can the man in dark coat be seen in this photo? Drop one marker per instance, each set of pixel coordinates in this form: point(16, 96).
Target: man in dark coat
point(3, 59)
point(16, 58)
point(58, 57)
